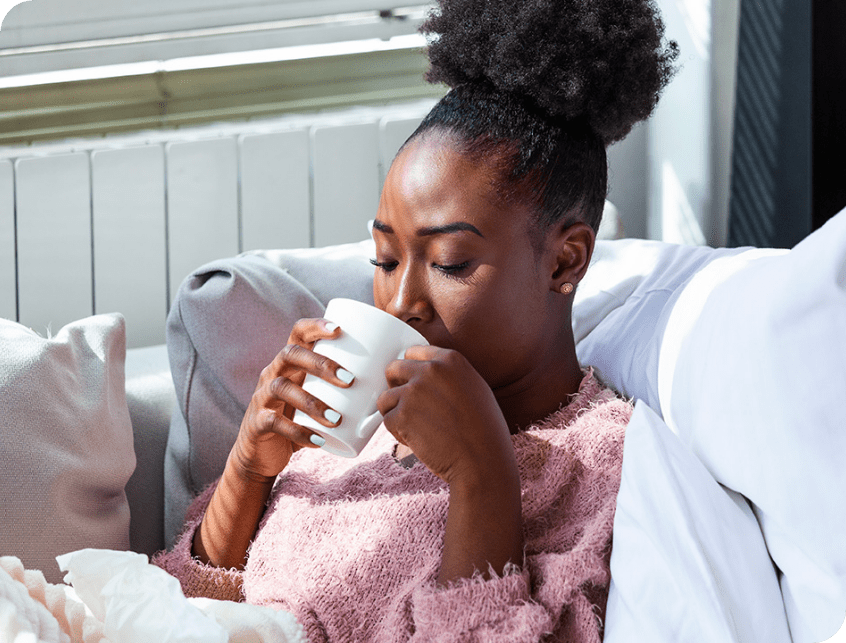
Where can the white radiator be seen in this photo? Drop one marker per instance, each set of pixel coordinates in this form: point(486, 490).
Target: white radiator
point(115, 224)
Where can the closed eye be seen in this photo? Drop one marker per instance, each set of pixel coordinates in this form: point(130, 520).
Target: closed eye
point(386, 266)
point(453, 269)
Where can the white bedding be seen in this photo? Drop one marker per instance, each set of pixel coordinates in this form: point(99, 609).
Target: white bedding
point(689, 563)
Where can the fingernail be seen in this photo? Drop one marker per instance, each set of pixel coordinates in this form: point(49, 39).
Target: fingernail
point(344, 375)
point(317, 440)
point(330, 326)
point(332, 415)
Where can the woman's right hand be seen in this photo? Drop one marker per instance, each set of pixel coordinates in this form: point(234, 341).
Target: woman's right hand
point(268, 436)
point(265, 443)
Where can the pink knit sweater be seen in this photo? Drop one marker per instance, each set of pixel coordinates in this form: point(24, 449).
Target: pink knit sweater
point(353, 547)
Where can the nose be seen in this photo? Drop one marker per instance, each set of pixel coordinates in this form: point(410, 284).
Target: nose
point(409, 301)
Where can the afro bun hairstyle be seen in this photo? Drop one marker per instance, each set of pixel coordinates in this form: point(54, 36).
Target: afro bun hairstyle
point(602, 61)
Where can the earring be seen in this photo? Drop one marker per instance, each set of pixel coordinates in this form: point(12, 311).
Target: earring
point(566, 288)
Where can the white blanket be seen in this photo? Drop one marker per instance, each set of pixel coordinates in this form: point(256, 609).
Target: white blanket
point(118, 597)
point(689, 563)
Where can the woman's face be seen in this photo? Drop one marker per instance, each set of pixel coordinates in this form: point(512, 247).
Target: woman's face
point(459, 266)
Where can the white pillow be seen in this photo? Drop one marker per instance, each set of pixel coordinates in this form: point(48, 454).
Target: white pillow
point(752, 377)
point(688, 561)
point(65, 441)
point(622, 304)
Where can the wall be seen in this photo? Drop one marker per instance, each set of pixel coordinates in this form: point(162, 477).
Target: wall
point(670, 177)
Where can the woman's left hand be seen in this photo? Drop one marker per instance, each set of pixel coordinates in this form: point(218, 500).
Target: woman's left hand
point(440, 407)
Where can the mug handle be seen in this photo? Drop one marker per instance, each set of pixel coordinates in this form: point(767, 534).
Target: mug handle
point(369, 424)
point(372, 422)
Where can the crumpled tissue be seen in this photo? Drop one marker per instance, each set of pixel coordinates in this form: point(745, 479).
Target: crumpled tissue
point(138, 602)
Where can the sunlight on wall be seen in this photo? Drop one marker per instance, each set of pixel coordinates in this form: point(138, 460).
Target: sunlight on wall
point(697, 19)
point(679, 223)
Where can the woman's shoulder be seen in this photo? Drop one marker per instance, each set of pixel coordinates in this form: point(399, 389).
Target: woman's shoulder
point(589, 428)
point(593, 404)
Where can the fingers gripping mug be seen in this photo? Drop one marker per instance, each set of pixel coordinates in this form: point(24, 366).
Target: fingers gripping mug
point(370, 339)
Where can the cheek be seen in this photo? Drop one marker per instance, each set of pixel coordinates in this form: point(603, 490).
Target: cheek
point(490, 329)
point(505, 330)
point(381, 293)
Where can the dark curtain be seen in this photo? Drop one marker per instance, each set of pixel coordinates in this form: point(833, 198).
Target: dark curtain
point(789, 147)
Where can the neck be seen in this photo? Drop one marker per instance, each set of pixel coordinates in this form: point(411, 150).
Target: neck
point(543, 392)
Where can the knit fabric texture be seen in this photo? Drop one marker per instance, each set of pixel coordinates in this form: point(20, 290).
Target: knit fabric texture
point(353, 547)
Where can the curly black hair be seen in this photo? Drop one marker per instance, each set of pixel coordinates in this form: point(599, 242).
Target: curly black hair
point(604, 60)
point(541, 87)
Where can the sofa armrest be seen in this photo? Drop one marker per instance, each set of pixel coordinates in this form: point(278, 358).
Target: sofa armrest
point(151, 398)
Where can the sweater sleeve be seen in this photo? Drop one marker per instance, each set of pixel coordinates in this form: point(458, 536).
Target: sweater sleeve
point(479, 609)
point(198, 578)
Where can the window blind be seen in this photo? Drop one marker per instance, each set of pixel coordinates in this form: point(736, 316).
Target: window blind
point(47, 35)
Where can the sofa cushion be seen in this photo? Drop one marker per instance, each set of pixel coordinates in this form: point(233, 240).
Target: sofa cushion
point(151, 400)
point(65, 441)
point(229, 320)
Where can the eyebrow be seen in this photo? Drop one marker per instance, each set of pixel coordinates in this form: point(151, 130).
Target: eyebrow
point(449, 228)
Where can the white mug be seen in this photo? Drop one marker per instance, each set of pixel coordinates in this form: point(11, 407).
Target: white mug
point(370, 339)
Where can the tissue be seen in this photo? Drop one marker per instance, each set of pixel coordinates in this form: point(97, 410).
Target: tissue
point(136, 602)
point(252, 624)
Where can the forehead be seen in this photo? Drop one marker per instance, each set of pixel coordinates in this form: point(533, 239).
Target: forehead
point(431, 183)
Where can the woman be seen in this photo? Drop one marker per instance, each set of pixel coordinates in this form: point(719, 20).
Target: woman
point(484, 510)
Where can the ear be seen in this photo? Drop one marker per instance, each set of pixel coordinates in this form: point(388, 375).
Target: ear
point(570, 252)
